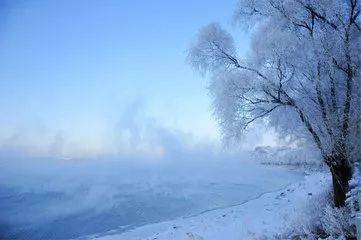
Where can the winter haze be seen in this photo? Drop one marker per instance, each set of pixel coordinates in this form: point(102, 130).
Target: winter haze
point(196, 120)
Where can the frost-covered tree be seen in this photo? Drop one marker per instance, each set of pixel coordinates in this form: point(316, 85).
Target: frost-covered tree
point(302, 76)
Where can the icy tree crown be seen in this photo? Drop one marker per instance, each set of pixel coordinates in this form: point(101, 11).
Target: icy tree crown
point(302, 74)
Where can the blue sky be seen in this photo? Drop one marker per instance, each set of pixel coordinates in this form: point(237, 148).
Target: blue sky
point(70, 69)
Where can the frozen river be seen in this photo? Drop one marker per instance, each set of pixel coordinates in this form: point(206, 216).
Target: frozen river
point(73, 199)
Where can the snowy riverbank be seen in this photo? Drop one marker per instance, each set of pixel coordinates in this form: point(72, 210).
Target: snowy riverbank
point(264, 217)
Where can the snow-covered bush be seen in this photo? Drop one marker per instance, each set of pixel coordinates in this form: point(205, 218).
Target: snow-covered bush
point(337, 223)
point(321, 220)
point(354, 198)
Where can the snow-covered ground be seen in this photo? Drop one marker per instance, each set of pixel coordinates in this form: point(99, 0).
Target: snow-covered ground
point(263, 217)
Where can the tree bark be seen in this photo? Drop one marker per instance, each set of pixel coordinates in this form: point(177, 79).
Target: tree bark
point(341, 175)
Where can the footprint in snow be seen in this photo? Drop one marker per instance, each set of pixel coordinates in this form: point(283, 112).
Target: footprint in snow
point(175, 227)
point(282, 194)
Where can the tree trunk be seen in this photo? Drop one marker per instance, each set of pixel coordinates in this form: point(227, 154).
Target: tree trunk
point(341, 174)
